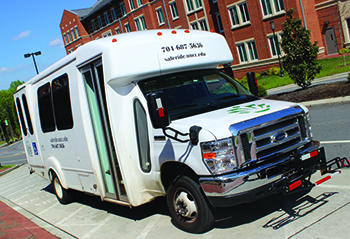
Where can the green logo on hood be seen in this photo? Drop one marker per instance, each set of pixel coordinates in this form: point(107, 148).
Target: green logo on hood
point(253, 108)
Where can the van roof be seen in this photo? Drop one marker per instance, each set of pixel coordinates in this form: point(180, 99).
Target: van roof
point(138, 55)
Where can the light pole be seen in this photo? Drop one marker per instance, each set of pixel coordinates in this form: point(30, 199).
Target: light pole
point(277, 45)
point(38, 53)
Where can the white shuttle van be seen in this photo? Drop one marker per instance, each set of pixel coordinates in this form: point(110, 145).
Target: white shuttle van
point(140, 115)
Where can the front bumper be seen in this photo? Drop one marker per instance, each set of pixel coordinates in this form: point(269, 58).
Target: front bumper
point(253, 184)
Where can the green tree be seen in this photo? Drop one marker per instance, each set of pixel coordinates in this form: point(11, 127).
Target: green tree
point(8, 111)
point(300, 53)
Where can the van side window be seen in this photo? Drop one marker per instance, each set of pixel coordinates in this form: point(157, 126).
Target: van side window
point(21, 118)
point(61, 103)
point(26, 110)
point(45, 108)
point(142, 136)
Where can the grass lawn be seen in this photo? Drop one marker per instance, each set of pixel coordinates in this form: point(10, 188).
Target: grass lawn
point(7, 166)
point(330, 66)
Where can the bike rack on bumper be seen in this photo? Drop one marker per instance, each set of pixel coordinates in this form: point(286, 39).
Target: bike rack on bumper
point(300, 180)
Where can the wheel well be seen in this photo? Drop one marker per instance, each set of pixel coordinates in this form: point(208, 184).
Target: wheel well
point(171, 170)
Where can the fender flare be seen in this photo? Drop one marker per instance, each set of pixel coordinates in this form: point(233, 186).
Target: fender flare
point(53, 165)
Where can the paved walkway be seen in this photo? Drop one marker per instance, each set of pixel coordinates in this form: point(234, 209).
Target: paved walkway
point(15, 226)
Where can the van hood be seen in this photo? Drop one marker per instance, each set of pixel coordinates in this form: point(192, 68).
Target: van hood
point(218, 122)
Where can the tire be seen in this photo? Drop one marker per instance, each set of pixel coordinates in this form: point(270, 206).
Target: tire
point(62, 194)
point(188, 208)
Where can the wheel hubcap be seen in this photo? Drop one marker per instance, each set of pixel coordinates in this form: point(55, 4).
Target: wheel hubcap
point(185, 205)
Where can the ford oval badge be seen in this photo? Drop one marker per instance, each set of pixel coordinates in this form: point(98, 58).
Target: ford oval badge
point(280, 136)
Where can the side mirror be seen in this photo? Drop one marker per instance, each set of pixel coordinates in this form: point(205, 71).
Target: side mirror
point(252, 83)
point(158, 110)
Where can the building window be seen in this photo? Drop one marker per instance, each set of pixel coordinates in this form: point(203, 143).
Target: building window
point(26, 110)
point(107, 34)
point(348, 24)
point(127, 27)
point(106, 18)
point(131, 3)
point(242, 52)
point(69, 36)
point(173, 9)
point(117, 30)
point(114, 15)
point(73, 34)
point(253, 53)
point(122, 8)
point(203, 25)
point(271, 7)
point(274, 45)
point(193, 5)
point(194, 26)
point(76, 31)
point(239, 14)
point(140, 23)
point(219, 22)
point(160, 16)
point(247, 51)
point(93, 25)
point(99, 20)
point(65, 38)
point(139, 3)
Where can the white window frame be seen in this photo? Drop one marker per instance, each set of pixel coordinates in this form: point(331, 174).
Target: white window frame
point(160, 16)
point(275, 9)
point(201, 26)
point(140, 23)
point(131, 5)
point(174, 11)
point(114, 14)
point(195, 23)
point(73, 34)
point(242, 18)
point(127, 27)
point(65, 38)
point(107, 33)
point(244, 53)
point(76, 31)
point(117, 31)
point(193, 5)
point(106, 17)
point(273, 47)
point(139, 3)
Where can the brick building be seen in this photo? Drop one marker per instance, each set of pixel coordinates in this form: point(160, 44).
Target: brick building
point(244, 23)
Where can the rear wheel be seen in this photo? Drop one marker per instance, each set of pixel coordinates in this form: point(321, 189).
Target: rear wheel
point(62, 194)
point(188, 208)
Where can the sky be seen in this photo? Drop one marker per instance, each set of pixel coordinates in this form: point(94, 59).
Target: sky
point(27, 27)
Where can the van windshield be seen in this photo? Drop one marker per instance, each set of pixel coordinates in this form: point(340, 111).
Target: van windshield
point(193, 92)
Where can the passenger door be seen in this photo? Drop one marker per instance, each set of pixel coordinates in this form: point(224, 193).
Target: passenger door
point(95, 91)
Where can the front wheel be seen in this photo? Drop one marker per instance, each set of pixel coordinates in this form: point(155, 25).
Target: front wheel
point(188, 208)
point(62, 194)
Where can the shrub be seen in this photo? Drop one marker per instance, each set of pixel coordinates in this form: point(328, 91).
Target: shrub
point(261, 91)
point(346, 50)
point(274, 71)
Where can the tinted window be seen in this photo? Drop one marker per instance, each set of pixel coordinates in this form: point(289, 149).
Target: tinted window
point(61, 103)
point(142, 136)
point(45, 108)
point(19, 110)
point(26, 110)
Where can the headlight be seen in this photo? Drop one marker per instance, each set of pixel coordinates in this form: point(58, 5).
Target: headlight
point(219, 156)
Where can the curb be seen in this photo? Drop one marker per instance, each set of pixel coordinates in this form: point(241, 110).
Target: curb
point(10, 169)
point(326, 101)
